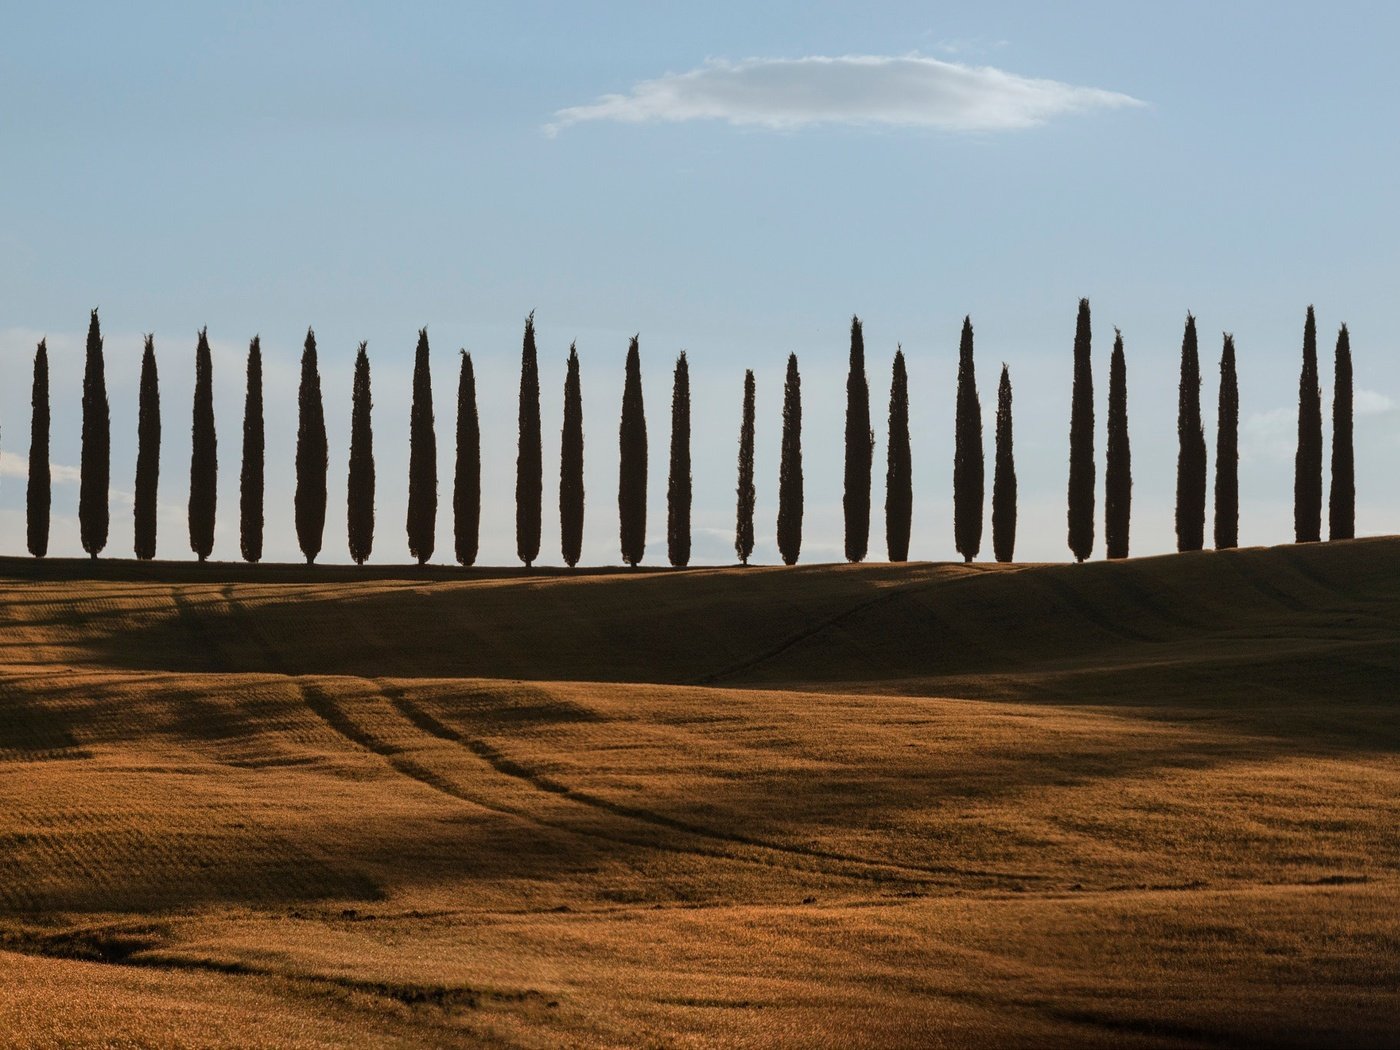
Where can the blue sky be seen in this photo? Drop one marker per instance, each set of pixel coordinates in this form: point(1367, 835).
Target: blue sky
point(678, 171)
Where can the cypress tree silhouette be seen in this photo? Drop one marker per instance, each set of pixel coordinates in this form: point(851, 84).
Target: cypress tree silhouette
point(147, 455)
point(968, 468)
point(359, 488)
point(899, 481)
point(1004, 480)
point(1227, 455)
point(571, 466)
point(860, 451)
point(678, 484)
point(95, 469)
point(422, 459)
point(250, 480)
point(312, 455)
point(632, 466)
point(1307, 478)
point(39, 496)
point(790, 468)
point(743, 521)
point(204, 453)
point(1118, 471)
point(1191, 451)
point(1081, 441)
point(466, 484)
point(1341, 506)
point(529, 474)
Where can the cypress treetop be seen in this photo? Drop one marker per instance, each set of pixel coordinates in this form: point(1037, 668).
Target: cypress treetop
point(632, 466)
point(422, 459)
point(250, 479)
point(147, 456)
point(1191, 450)
point(40, 490)
point(204, 456)
point(571, 465)
point(1081, 441)
point(1307, 477)
point(529, 474)
point(678, 486)
point(1004, 480)
point(466, 486)
point(1118, 472)
point(312, 455)
point(860, 451)
point(790, 468)
point(899, 475)
point(1341, 510)
point(743, 522)
point(1227, 456)
point(968, 468)
point(359, 488)
point(95, 469)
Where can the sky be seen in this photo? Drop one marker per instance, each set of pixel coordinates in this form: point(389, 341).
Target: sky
point(732, 180)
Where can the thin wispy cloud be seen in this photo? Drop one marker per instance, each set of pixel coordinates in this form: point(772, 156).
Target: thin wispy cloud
point(789, 93)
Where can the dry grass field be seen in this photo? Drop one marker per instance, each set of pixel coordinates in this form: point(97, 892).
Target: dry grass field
point(1153, 803)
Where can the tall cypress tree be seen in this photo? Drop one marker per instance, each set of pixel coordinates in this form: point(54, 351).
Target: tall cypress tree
point(529, 474)
point(571, 466)
point(96, 464)
point(790, 468)
point(1191, 451)
point(968, 467)
point(1004, 481)
point(39, 496)
point(678, 488)
point(422, 459)
point(250, 480)
point(860, 451)
point(147, 455)
point(466, 484)
point(743, 519)
point(899, 479)
point(1118, 471)
point(204, 453)
point(1341, 507)
point(312, 455)
point(359, 488)
point(632, 466)
point(1307, 479)
point(1081, 441)
point(1227, 452)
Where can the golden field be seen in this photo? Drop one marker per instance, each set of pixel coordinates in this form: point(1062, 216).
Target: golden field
point(1152, 803)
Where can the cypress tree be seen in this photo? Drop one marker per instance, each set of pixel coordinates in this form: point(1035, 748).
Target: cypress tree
point(743, 522)
point(250, 481)
point(790, 468)
point(1341, 507)
point(312, 455)
point(1227, 454)
point(632, 466)
point(968, 468)
point(678, 486)
point(529, 474)
point(40, 492)
point(95, 469)
point(1307, 480)
point(1004, 481)
point(899, 483)
point(1118, 471)
point(571, 466)
point(1081, 442)
point(422, 459)
point(359, 488)
point(147, 455)
point(1191, 451)
point(860, 451)
point(466, 484)
point(204, 453)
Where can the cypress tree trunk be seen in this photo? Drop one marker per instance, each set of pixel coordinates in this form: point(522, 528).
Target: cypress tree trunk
point(1004, 481)
point(1341, 509)
point(968, 467)
point(899, 481)
point(743, 521)
point(204, 454)
point(250, 481)
point(678, 486)
point(1081, 442)
point(571, 466)
point(359, 488)
point(422, 459)
point(312, 455)
point(147, 455)
point(466, 484)
point(95, 470)
point(1191, 452)
point(529, 474)
point(860, 451)
point(1227, 454)
point(790, 468)
point(1307, 479)
point(1118, 472)
point(632, 466)
point(39, 497)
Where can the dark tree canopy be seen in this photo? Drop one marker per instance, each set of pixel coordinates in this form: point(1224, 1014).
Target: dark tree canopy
point(1307, 479)
point(632, 465)
point(529, 474)
point(96, 463)
point(312, 455)
point(860, 451)
point(1004, 481)
point(790, 468)
point(899, 476)
point(678, 489)
point(147, 456)
point(571, 465)
point(1191, 449)
point(422, 459)
point(466, 485)
point(39, 497)
point(359, 487)
point(204, 453)
point(1227, 452)
point(1081, 441)
point(743, 519)
point(250, 480)
point(1118, 471)
point(1341, 507)
point(968, 467)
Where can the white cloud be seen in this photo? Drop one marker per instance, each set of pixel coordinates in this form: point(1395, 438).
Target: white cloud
point(13, 465)
point(908, 91)
point(1371, 403)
